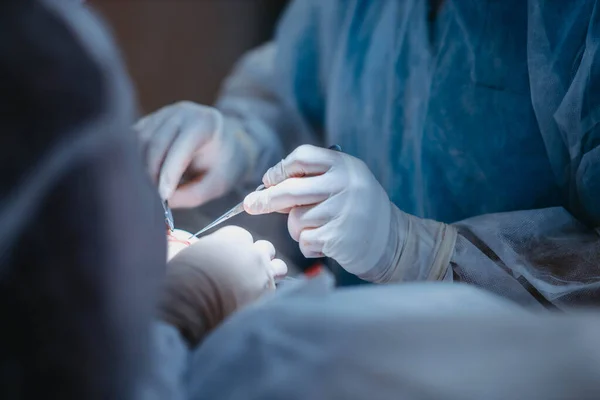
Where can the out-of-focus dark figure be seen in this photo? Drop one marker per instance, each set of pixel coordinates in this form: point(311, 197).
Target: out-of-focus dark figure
point(82, 234)
point(79, 253)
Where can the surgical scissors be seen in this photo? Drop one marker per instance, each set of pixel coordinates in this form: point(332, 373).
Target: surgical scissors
point(168, 216)
point(238, 209)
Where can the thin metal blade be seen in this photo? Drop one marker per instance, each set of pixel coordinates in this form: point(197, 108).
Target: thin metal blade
point(231, 213)
point(238, 209)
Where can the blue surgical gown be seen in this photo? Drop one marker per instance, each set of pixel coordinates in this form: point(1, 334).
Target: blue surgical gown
point(485, 116)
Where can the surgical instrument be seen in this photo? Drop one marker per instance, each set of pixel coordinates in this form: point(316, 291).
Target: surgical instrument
point(168, 216)
point(239, 208)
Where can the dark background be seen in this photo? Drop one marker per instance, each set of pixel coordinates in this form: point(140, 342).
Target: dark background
point(182, 49)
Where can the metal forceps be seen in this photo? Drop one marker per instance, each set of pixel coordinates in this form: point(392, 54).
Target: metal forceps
point(238, 209)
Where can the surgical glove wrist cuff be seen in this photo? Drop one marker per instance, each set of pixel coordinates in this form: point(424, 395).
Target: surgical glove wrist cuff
point(418, 249)
point(393, 250)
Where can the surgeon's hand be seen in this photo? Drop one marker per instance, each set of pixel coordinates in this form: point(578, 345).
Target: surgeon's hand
point(194, 153)
point(216, 276)
point(336, 206)
point(339, 210)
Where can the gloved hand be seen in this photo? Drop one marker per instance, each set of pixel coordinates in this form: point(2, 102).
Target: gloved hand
point(186, 140)
point(214, 277)
point(339, 210)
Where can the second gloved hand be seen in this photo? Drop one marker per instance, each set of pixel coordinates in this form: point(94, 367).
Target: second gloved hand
point(214, 277)
point(339, 210)
point(336, 206)
point(197, 143)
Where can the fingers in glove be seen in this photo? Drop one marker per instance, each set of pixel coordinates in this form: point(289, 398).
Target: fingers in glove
point(235, 234)
point(290, 193)
point(266, 249)
point(304, 161)
point(146, 127)
point(158, 146)
point(201, 190)
point(308, 217)
point(179, 157)
point(279, 268)
point(311, 242)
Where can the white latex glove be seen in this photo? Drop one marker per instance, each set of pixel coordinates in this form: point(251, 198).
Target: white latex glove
point(194, 142)
point(339, 210)
point(215, 276)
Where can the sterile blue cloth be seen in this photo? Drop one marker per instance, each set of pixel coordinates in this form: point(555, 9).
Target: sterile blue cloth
point(490, 110)
point(484, 115)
